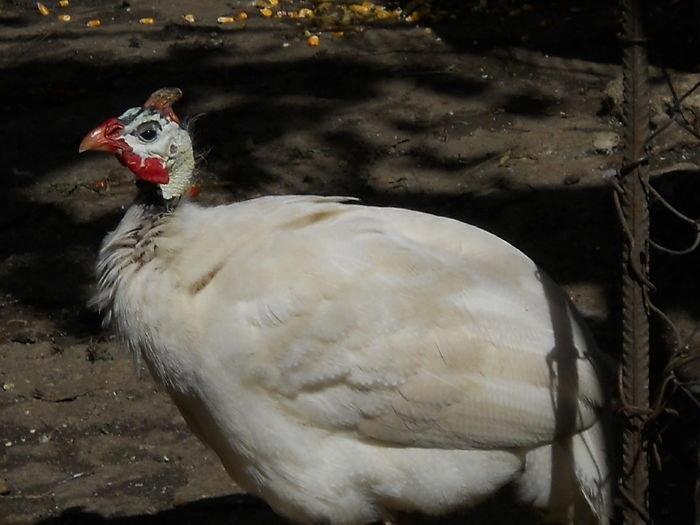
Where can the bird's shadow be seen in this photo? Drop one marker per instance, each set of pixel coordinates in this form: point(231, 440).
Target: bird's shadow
point(243, 509)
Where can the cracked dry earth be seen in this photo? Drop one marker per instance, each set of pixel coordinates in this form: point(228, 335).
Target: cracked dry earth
point(495, 116)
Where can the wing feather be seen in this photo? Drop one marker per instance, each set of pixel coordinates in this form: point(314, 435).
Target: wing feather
point(400, 327)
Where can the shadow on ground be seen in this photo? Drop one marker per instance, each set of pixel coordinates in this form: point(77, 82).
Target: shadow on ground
point(244, 510)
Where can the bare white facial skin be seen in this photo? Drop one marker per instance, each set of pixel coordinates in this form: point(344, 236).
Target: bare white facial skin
point(160, 150)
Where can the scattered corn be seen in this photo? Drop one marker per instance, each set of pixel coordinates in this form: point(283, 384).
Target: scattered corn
point(63, 3)
point(94, 23)
point(305, 12)
point(242, 16)
point(189, 18)
point(43, 9)
point(274, 2)
point(339, 34)
point(313, 41)
point(147, 21)
point(225, 20)
point(64, 18)
point(266, 11)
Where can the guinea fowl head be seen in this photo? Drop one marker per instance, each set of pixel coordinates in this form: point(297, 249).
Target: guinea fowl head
point(151, 142)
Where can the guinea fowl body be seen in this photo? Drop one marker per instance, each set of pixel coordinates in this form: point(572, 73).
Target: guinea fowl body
point(296, 333)
point(349, 362)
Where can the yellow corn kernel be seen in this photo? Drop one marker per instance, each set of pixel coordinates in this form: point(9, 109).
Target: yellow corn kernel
point(94, 23)
point(43, 9)
point(305, 12)
point(225, 20)
point(359, 9)
point(274, 2)
point(147, 21)
point(383, 14)
point(313, 41)
point(338, 34)
point(266, 11)
point(242, 16)
point(64, 3)
point(189, 18)
point(413, 17)
point(64, 18)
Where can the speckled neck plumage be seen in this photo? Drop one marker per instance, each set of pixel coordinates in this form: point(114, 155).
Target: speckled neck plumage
point(133, 244)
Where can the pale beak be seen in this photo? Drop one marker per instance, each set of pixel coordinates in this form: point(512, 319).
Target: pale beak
point(95, 140)
point(103, 138)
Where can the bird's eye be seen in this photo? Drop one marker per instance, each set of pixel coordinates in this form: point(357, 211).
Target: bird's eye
point(148, 131)
point(148, 135)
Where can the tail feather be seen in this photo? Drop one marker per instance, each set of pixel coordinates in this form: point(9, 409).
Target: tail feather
point(570, 479)
point(591, 468)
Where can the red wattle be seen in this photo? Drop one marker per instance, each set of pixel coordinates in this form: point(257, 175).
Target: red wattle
point(150, 170)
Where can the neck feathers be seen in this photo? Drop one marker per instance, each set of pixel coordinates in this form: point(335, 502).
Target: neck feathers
point(127, 249)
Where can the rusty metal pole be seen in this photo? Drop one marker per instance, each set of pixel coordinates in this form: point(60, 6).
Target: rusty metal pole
point(634, 485)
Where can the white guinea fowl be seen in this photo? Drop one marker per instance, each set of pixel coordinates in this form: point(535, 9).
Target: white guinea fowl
point(348, 363)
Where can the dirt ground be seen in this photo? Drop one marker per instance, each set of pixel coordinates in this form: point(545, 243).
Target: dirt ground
point(495, 114)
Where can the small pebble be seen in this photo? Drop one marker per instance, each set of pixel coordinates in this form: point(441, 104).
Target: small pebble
point(605, 142)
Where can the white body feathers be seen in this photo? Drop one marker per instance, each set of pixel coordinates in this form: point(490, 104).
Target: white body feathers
point(347, 362)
